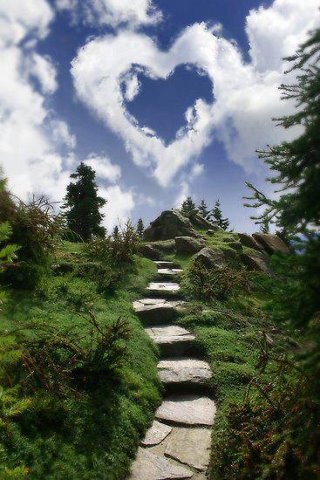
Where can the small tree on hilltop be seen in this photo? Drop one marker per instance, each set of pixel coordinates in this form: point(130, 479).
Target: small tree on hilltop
point(188, 208)
point(217, 218)
point(116, 232)
point(82, 204)
point(203, 209)
point(140, 228)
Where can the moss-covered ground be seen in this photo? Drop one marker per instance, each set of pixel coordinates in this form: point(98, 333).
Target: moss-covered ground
point(94, 434)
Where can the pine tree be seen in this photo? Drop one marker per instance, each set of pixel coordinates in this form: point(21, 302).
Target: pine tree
point(140, 228)
point(116, 232)
point(82, 204)
point(217, 218)
point(188, 208)
point(203, 209)
point(265, 226)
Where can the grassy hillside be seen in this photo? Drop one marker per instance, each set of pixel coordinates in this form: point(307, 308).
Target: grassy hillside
point(251, 359)
point(87, 428)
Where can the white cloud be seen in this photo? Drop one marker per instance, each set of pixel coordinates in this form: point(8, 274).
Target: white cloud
point(31, 137)
point(246, 94)
point(119, 205)
point(111, 12)
point(104, 168)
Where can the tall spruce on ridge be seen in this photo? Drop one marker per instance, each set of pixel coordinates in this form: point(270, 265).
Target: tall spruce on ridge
point(82, 204)
point(188, 207)
point(140, 228)
point(203, 209)
point(217, 218)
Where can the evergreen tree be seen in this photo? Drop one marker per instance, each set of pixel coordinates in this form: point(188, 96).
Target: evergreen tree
point(265, 226)
point(188, 208)
point(116, 232)
point(203, 209)
point(217, 218)
point(296, 171)
point(82, 204)
point(140, 228)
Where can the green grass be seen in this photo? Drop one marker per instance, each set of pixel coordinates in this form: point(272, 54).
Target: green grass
point(229, 334)
point(94, 434)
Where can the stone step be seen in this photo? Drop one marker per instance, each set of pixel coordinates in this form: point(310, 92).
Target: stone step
point(184, 374)
point(187, 410)
point(189, 446)
point(163, 264)
point(169, 272)
point(158, 310)
point(172, 340)
point(161, 288)
point(149, 466)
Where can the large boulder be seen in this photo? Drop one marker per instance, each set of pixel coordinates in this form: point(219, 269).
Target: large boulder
point(210, 258)
point(256, 262)
point(248, 241)
point(200, 222)
point(271, 243)
point(170, 224)
point(189, 245)
point(155, 250)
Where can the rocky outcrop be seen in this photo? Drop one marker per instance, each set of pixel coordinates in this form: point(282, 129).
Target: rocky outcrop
point(155, 250)
point(256, 262)
point(189, 245)
point(271, 243)
point(248, 241)
point(199, 222)
point(210, 258)
point(170, 224)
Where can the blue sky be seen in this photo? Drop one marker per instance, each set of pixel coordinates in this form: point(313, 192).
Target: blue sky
point(164, 98)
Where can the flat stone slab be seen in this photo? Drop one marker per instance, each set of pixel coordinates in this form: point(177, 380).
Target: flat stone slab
point(160, 287)
point(172, 340)
point(148, 466)
point(169, 272)
point(162, 264)
point(190, 446)
point(187, 410)
point(156, 434)
point(186, 370)
point(158, 310)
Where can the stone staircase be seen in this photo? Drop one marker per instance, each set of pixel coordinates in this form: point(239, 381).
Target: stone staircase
point(177, 445)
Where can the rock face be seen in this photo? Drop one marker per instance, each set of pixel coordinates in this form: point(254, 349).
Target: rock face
point(200, 222)
point(248, 241)
point(149, 251)
point(149, 466)
point(271, 243)
point(154, 250)
point(188, 245)
point(255, 262)
point(190, 446)
point(170, 224)
point(187, 410)
point(210, 258)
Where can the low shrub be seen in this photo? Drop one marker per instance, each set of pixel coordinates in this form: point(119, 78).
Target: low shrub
point(210, 284)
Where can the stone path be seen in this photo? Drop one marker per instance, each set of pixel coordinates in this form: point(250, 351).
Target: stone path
point(177, 445)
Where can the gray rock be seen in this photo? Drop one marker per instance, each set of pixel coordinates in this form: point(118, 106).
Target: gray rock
point(156, 434)
point(271, 243)
point(184, 371)
point(190, 446)
point(158, 310)
point(187, 410)
point(149, 251)
point(172, 340)
point(212, 230)
point(210, 258)
point(255, 262)
point(164, 264)
point(188, 245)
point(163, 287)
point(170, 224)
point(199, 221)
point(248, 241)
point(236, 245)
point(148, 466)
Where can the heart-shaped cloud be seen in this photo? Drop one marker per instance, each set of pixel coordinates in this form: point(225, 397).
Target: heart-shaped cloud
point(246, 95)
point(104, 65)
